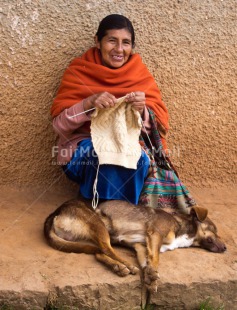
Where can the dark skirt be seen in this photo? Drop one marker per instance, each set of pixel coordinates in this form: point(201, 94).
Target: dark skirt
point(114, 182)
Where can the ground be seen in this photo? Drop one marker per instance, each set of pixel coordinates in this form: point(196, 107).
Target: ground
point(32, 274)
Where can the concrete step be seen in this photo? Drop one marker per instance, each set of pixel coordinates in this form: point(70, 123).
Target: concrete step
point(33, 275)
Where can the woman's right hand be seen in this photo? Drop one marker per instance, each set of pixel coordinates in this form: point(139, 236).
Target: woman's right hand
point(101, 100)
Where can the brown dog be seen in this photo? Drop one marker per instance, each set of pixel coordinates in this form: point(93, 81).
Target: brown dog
point(75, 227)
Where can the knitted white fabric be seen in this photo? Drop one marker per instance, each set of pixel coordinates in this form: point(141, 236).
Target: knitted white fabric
point(115, 135)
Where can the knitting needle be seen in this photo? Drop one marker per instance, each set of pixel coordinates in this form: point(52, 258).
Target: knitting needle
point(119, 99)
point(81, 113)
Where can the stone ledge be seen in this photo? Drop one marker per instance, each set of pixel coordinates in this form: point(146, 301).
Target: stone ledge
point(32, 274)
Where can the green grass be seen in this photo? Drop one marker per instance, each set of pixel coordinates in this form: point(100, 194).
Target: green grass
point(149, 307)
point(52, 307)
point(206, 305)
point(6, 307)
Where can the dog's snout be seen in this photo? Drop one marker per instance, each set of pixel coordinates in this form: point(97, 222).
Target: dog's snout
point(213, 244)
point(224, 248)
point(221, 245)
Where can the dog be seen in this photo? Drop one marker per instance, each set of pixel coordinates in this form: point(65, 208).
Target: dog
point(76, 227)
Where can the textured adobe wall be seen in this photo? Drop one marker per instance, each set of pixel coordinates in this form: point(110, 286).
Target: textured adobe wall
point(189, 46)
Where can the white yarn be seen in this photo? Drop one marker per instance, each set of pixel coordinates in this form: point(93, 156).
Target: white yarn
point(95, 199)
point(115, 135)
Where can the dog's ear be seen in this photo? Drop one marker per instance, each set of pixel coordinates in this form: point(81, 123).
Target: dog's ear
point(200, 213)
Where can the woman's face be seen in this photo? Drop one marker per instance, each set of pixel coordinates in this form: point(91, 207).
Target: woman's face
point(115, 47)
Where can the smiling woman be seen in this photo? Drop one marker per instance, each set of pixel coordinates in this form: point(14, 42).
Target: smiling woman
point(99, 77)
point(115, 47)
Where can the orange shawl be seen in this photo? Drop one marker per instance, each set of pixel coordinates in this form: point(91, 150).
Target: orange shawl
point(86, 76)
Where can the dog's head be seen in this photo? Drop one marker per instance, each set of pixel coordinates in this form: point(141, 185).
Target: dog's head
point(206, 236)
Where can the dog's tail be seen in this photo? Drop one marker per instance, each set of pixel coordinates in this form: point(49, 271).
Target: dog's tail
point(65, 245)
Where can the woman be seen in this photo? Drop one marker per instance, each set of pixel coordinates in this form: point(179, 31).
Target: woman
point(95, 80)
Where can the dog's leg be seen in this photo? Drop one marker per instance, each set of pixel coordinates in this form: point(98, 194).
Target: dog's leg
point(110, 257)
point(109, 252)
point(151, 275)
point(141, 254)
point(142, 260)
point(118, 267)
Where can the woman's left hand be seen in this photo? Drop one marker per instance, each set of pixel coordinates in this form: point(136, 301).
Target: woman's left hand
point(138, 100)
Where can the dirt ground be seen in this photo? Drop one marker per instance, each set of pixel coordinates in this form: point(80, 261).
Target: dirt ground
point(32, 273)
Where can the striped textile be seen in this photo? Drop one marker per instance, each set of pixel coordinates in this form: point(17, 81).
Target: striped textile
point(163, 188)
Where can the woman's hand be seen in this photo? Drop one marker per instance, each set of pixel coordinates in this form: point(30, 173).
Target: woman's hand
point(101, 100)
point(138, 100)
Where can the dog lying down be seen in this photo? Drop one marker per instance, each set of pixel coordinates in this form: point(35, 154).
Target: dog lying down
point(76, 227)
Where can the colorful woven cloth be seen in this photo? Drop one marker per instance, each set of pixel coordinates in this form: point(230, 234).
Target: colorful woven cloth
point(163, 188)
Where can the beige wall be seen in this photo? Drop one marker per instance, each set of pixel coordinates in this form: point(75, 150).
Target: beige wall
point(189, 46)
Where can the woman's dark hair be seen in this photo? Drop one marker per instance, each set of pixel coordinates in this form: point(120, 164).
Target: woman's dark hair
point(115, 21)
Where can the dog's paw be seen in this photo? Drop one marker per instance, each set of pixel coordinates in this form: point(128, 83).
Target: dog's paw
point(133, 269)
point(121, 270)
point(150, 275)
point(152, 287)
